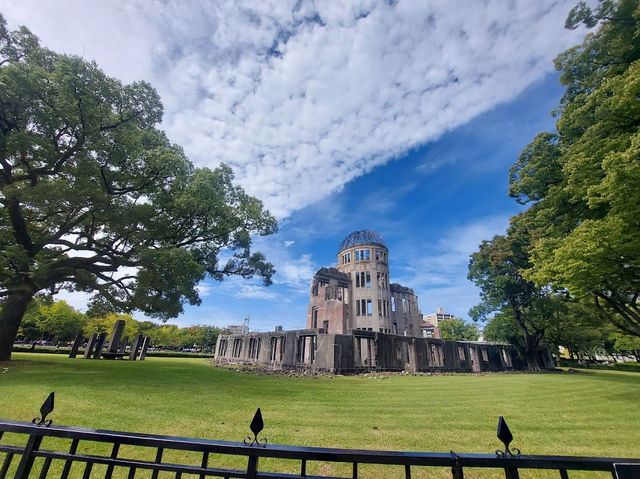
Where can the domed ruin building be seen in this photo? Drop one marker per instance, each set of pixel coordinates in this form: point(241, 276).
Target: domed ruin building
point(356, 294)
point(358, 321)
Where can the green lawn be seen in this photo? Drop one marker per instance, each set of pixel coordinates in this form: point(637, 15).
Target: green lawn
point(595, 413)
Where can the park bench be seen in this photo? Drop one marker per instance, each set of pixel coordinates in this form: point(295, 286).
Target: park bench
point(31, 455)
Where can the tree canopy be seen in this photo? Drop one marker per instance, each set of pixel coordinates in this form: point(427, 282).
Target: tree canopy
point(583, 182)
point(456, 329)
point(522, 310)
point(581, 185)
point(94, 197)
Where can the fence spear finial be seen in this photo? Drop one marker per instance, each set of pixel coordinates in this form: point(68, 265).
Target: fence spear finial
point(504, 434)
point(256, 426)
point(45, 410)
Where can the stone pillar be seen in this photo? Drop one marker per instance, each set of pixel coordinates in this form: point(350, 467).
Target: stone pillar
point(134, 348)
point(90, 344)
point(116, 334)
point(123, 344)
point(145, 345)
point(102, 337)
point(76, 345)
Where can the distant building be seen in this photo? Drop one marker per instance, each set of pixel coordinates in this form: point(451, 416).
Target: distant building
point(429, 330)
point(430, 326)
point(238, 329)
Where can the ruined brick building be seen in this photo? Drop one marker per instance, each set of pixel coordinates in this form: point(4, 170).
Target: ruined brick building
point(358, 321)
point(356, 294)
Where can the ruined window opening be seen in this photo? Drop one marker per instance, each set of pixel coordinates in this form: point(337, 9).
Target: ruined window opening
point(237, 348)
point(325, 326)
point(314, 317)
point(358, 307)
point(393, 304)
point(367, 254)
point(222, 351)
point(273, 344)
point(461, 353)
point(380, 307)
point(282, 340)
point(357, 280)
point(306, 350)
point(485, 356)
point(368, 280)
point(369, 308)
point(254, 347)
point(404, 305)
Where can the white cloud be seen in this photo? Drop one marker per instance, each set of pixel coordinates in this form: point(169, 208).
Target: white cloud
point(76, 299)
point(203, 289)
point(301, 97)
point(439, 274)
point(253, 291)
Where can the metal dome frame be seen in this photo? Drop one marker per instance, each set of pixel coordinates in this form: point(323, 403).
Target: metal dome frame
point(361, 237)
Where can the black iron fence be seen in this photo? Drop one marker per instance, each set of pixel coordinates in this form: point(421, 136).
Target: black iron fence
point(27, 457)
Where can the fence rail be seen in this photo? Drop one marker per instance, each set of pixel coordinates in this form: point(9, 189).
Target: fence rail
point(26, 460)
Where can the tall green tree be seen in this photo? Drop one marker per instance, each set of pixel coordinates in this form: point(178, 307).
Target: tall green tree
point(456, 329)
point(94, 197)
point(523, 309)
point(583, 183)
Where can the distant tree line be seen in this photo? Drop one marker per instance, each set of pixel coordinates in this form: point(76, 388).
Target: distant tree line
point(58, 323)
point(567, 271)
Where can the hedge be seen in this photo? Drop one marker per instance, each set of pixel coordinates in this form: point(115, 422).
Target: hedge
point(67, 350)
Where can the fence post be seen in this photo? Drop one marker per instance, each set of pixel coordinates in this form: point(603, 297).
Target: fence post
point(26, 463)
point(252, 467)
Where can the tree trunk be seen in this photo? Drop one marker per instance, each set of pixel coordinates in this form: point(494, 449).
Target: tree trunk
point(531, 354)
point(11, 312)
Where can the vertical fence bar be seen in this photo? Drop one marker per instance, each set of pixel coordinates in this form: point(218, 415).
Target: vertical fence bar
point(26, 463)
point(205, 463)
point(252, 467)
point(114, 454)
point(303, 468)
point(87, 470)
point(354, 475)
point(407, 471)
point(45, 468)
point(564, 474)
point(511, 473)
point(67, 464)
point(457, 472)
point(154, 474)
point(132, 473)
point(5, 465)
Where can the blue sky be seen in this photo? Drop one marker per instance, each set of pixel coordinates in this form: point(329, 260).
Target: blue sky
point(402, 117)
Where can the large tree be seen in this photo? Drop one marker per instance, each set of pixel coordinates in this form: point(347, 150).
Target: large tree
point(95, 198)
point(456, 329)
point(582, 183)
point(522, 310)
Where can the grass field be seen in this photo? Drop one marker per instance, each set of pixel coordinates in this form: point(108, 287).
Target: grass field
point(595, 413)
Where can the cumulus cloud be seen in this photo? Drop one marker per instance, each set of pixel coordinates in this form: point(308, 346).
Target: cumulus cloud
point(438, 275)
point(300, 97)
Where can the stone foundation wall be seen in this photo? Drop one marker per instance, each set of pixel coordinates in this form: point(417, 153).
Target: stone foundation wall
point(361, 351)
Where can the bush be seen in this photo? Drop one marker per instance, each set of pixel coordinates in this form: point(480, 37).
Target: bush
point(67, 350)
point(630, 367)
